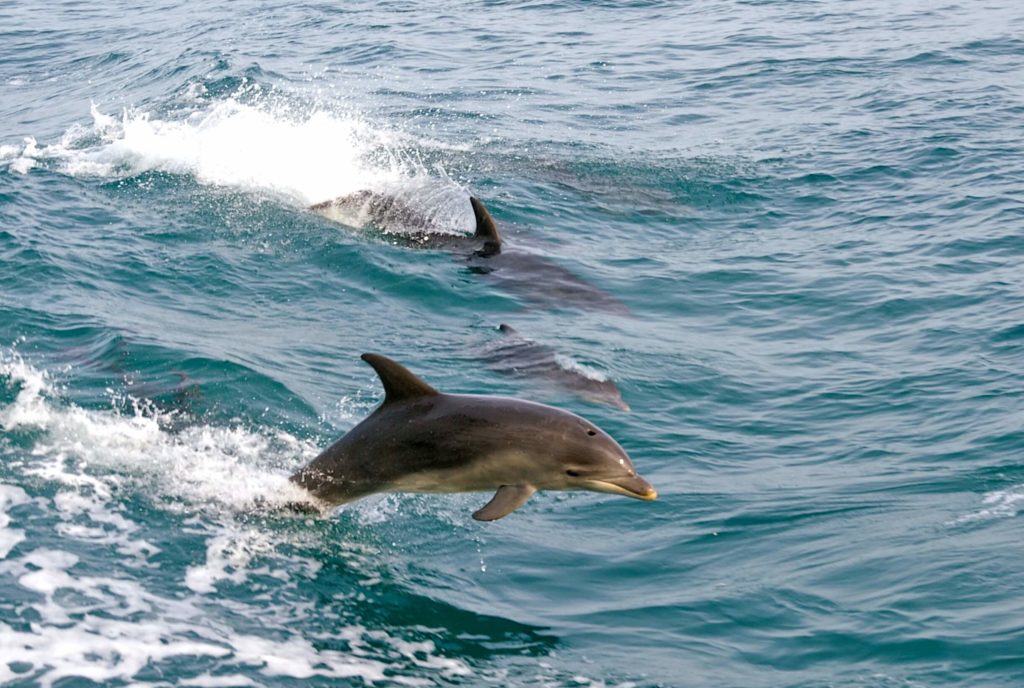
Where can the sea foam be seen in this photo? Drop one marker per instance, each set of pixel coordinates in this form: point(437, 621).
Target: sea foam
point(113, 625)
point(99, 448)
point(296, 158)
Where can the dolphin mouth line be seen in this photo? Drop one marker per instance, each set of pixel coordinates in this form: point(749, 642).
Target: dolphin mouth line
point(635, 487)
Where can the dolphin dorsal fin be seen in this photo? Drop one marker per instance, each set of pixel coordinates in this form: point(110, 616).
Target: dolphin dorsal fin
point(399, 383)
point(485, 228)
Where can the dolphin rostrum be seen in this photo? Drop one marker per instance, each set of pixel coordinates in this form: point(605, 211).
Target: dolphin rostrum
point(420, 440)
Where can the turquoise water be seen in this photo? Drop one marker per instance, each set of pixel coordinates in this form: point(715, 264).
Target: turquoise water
point(811, 212)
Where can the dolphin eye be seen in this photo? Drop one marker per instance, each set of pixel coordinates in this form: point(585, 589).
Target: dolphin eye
point(573, 474)
point(591, 432)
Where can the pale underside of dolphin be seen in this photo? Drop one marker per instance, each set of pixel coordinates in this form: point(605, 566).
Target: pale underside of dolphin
point(421, 440)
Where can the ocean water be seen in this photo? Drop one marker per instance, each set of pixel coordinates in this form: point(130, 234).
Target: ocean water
point(811, 213)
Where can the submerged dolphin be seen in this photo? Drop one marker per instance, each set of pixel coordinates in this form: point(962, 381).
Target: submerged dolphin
point(420, 440)
point(516, 355)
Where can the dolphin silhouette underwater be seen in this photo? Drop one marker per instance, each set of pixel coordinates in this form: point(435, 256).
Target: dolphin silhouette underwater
point(517, 355)
point(535, 277)
point(421, 440)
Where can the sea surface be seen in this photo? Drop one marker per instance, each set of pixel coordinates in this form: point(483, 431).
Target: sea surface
point(809, 214)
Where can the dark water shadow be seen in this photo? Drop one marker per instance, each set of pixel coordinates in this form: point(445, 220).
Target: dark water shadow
point(393, 605)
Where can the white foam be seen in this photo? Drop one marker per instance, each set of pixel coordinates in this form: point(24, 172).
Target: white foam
point(10, 495)
point(573, 366)
point(28, 408)
point(22, 159)
point(207, 681)
point(8, 153)
point(240, 146)
point(998, 504)
point(302, 158)
point(228, 555)
point(422, 654)
point(226, 467)
point(88, 515)
point(110, 626)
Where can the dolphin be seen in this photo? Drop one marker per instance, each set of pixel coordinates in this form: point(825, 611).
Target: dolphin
point(516, 355)
point(420, 440)
point(541, 281)
point(536, 278)
point(404, 224)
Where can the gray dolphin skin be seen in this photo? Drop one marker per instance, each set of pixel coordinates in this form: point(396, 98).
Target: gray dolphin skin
point(421, 440)
point(405, 225)
point(517, 355)
point(541, 281)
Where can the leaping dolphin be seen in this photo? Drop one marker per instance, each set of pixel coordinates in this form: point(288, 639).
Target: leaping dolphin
point(420, 440)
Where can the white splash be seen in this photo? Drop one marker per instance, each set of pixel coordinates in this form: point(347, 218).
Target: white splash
point(20, 159)
point(422, 654)
point(571, 365)
point(231, 468)
point(300, 158)
point(229, 555)
point(998, 504)
point(10, 496)
point(28, 407)
point(112, 626)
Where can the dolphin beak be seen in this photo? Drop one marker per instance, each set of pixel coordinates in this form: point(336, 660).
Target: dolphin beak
point(631, 486)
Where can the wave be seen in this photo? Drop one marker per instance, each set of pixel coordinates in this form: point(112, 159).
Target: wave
point(184, 467)
point(102, 586)
point(1005, 503)
point(268, 147)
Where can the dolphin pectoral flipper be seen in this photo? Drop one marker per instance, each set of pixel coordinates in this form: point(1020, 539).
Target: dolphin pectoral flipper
point(507, 499)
